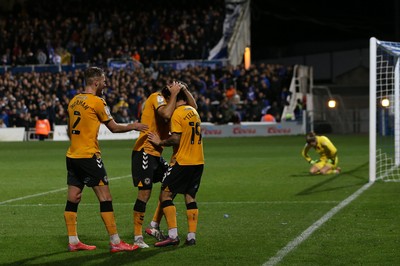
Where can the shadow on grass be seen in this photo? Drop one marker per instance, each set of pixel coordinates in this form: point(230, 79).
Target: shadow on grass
point(316, 188)
point(91, 258)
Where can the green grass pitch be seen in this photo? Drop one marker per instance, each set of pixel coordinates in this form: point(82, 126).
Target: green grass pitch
point(262, 184)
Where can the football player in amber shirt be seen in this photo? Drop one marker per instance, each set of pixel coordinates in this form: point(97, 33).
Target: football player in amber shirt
point(86, 111)
point(148, 166)
point(184, 175)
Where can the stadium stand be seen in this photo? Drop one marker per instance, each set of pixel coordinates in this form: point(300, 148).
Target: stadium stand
point(55, 46)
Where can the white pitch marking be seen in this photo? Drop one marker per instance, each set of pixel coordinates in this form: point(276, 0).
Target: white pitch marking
point(32, 196)
point(307, 233)
point(48, 192)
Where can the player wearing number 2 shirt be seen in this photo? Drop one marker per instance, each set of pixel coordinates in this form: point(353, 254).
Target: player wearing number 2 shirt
point(86, 112)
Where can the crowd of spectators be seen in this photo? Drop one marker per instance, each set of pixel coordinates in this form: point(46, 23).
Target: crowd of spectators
point(58, 31)
point(65, 32)
point(225, 94)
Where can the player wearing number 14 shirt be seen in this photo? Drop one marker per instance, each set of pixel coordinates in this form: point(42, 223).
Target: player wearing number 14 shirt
point(184, 174)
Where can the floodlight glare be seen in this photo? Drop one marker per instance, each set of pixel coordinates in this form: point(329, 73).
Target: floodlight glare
point(332, 104)
point(385, 102)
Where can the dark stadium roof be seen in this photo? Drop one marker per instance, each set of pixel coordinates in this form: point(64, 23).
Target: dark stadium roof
point(287, 27)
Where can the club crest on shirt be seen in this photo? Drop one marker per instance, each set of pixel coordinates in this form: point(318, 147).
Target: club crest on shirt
point(107, 110)
point(160, 99)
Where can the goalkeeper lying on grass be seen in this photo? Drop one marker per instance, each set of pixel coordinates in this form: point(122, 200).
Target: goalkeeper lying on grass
point(328, 159)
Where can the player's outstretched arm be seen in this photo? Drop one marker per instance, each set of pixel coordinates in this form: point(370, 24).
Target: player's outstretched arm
point(114, 127)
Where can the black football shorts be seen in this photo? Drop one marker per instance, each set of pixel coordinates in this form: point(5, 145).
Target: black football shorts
point(147, 169)
point(86, 171)
point(183, 179)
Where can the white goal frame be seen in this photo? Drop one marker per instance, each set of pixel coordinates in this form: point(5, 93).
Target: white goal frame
point(384, 120)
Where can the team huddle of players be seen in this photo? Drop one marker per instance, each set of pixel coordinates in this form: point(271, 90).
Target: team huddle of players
point(169, 118)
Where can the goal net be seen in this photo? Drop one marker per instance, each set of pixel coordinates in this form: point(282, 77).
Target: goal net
point(384, 111)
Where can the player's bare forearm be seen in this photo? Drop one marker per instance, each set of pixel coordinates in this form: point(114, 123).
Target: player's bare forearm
point(120, 128)
point(167, 110)
point(139, 126)
point(171, 141)
point(190, 99)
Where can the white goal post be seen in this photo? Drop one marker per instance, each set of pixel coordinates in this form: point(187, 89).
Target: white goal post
point(384, 104)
